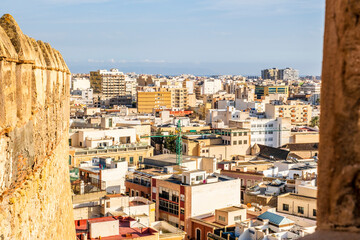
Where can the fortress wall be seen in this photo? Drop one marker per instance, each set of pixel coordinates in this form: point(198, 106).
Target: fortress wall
point(35, 195)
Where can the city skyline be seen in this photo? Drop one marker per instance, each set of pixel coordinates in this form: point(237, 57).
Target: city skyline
point(168, 37)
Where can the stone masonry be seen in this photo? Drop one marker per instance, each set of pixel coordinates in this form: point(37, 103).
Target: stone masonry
point(35, 195)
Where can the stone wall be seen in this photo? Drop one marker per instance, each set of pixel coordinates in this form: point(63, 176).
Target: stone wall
point(35, 196)
point(339, 155)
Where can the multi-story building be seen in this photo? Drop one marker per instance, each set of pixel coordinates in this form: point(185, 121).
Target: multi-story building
point(150, 100)
point(302, 203)
point(288, 74)
point(108, 83)
point(104, 174)
point(214, 116)
point(266, 131)
point(189, 85)
point(271, 73)
point(280, 74)
point(80, 83)
point(261, 91)
point(229, 143)
point(82, 96)
point(193, 193)
point(300, 114)
point(179, 98)
point(132, 153)
point(211, 86)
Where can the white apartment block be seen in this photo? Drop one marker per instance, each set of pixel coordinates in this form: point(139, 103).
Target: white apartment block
point(225, 115)
point(270, 132)
point(80, 83)
point(243, 104)
point(92, 138)
point(211, 86)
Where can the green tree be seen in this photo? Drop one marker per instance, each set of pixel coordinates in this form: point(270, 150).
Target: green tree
point(170, 143)
point(315, 121)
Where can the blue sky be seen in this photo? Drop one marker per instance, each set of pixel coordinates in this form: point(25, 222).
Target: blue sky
point(178, 36)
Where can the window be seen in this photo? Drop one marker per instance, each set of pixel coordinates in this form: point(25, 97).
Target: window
point(140, 158)
point(271, 125)
point(234, 134)
point(270, 132)
point(240, 133)
point(245, 133)
point(235, 142)
point(131, 160)
point(199, 178)
point(300, 210)
point(123, 159)
point(182, 211)
point(198, 234)
point(245, 141)
point(314, 212)
point(221, 218)
point(169, 207)
point(240, 142)
point(107, 204)
point(286, 207)
point(237, 218)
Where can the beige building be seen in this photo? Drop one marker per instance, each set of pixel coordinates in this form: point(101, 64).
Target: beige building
point(148, 101)
point(226, 145)
point(134, 154)
point(299, 114)
point(108, 83)
point(179, 98)
point(303, 203)
point(299, 205)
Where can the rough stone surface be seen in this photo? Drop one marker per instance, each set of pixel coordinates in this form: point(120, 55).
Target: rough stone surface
point(35, 197)
point(339, 156)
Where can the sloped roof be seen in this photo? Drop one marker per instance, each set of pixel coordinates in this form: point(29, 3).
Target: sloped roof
point(275, 218)
point(276, 153)
point(301, 146)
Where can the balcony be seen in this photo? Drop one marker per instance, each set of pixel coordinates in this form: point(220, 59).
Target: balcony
point(113, 149)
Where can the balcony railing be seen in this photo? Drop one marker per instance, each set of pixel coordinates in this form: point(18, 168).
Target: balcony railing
point(112, 149)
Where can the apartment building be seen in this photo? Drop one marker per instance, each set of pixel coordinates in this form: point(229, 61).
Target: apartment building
point(108, 83)
point(302, 203)
point(179, 98)
point(264, 131)
point(104, 174)
point(225, 217)
point(226, 144)
point(299, 114)
point(211, 86)
point(262, 91)
point(271, 73)
point(225, 115)
point(152, 99)
point(193, 193)
point(287, 74)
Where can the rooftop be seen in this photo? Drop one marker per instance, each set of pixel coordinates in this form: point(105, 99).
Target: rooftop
point(275, 218)
point(127, 228)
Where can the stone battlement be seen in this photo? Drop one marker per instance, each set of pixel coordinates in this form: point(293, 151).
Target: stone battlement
point(35, 195)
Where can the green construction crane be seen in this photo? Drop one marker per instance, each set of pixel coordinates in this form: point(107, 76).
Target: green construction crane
point(178, 144)
point(178, 134)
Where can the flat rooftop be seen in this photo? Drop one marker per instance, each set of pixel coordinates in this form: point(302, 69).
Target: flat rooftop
point(230, 209)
